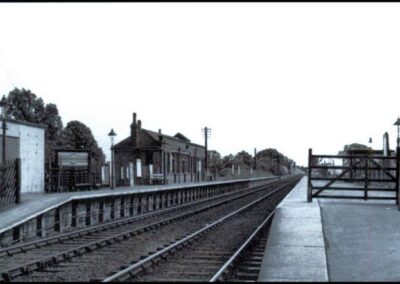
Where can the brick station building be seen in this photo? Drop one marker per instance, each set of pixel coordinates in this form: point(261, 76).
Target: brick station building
point(148, 157)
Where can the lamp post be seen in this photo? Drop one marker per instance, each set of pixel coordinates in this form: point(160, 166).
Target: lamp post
point(369, 156)
point(3, 106)
point(397, 123)
point(112, 134)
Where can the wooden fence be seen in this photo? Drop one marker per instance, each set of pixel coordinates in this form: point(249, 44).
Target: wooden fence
point(10, 182)
point(70, 179)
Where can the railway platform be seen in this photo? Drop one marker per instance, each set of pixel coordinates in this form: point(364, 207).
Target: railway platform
point(37, 213)
point(332, 239)
point(33, 204)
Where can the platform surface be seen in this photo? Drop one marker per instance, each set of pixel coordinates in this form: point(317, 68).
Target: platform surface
point(295, 249)
point(333, 239)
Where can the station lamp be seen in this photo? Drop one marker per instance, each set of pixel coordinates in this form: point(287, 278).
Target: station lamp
point(397, 123)
point(112, 135)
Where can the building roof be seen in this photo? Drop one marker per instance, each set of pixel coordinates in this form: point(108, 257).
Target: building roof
point(167, 140)
point(21, 122)
point(181, 137)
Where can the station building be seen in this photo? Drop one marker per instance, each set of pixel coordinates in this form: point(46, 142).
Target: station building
point(26, 141)
point(148, 157)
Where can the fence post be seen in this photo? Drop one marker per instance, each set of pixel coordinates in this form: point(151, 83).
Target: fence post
point(397, 177)
point(309, 190)
point(366, 178)
point(18, 180)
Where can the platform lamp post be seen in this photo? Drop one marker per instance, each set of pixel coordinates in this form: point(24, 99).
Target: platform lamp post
point(3, 109)
point(397, 123)
point(112, 134)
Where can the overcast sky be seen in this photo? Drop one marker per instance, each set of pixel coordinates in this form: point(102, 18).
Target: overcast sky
point(289, 76)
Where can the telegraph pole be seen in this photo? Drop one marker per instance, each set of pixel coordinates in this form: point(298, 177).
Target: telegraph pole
point(206, 132)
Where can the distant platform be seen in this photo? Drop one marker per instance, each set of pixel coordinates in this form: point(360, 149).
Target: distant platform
point(34, 204)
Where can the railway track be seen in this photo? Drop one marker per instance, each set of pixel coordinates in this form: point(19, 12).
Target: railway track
point(244, 265)
point(96, 250)
point(227, 249)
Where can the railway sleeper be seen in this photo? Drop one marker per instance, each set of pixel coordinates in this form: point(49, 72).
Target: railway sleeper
point(249, 269)
point(171, 280)
point(246, 276)
point(199, 261)
point(96, 280)
point(183, 268)
point(252, 263)
point(180, 276)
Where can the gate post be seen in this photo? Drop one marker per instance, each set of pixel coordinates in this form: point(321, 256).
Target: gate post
point(309, 191)
point(366, 178)
point(18, 180)
point(397, 177)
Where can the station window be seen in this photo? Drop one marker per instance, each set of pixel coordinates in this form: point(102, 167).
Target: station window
point(173, 164)
point(168, 163)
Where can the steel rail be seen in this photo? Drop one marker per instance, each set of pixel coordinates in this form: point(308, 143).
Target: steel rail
point(137, 267)
point(67, 254)
point(222, 271)
point(8, 251)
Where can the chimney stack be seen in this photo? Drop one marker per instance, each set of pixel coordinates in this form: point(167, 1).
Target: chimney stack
point(139, 123)
point(160, 138)
point(134, 130)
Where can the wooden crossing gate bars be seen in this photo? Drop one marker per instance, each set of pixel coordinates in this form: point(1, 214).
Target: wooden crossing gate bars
point(370, 172)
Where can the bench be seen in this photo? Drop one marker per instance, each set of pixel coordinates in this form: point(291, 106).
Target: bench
point(158, 179)
point(82, 186)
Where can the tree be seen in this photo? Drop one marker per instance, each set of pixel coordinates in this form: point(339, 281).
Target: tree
point(243, 157)
point(227, 161)
point(348, 150)
point(274, 161)
point(26, 106)
point(77, 135)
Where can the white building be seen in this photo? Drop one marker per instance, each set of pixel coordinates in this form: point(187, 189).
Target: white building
point(26, 141)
